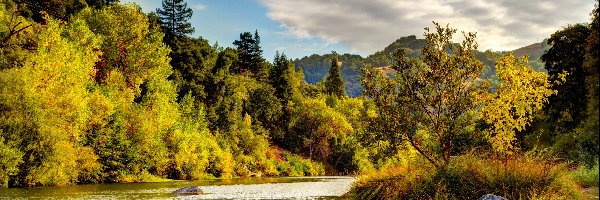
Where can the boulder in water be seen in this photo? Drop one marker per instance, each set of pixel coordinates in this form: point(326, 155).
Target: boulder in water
point(491, 197)
point(191, 190)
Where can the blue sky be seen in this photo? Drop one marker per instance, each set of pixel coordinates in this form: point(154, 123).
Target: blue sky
point(304, 27)
point(222, 21)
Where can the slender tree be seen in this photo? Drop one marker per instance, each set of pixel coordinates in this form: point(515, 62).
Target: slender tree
point(334, 84)
point(280, 78)
point(174, 17)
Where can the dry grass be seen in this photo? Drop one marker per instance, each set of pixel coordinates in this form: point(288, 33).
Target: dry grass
point(470, 177)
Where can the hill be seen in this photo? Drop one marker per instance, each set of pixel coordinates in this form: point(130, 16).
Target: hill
point(315, 67)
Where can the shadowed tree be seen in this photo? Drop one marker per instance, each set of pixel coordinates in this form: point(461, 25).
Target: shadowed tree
point(566, 108)
point(334, 84)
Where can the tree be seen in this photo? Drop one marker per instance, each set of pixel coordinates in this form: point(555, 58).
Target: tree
point(44, 106)
point(58, 9)
point(566, 109)
point(134, 66)
point(588, 130)
point(191, 60)
point(315, 128)
point(433, 97)
point(281, 78)
point(173, 17)
point(250, 60)
point(97, 4)
point(334, 84)
point(520, 94)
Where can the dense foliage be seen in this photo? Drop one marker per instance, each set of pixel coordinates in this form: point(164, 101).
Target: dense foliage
point(96, 100)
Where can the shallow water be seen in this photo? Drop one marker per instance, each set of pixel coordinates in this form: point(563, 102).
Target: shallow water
point(242, 188)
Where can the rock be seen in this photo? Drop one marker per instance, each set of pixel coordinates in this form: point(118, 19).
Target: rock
point(491, 197)
point(191, 190)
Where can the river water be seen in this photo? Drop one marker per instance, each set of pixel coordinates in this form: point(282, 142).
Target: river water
point(242, 188)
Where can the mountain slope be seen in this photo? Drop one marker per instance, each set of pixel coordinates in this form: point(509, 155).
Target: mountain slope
point(315, 67)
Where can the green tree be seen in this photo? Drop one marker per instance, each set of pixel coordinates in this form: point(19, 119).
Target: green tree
point(174, 17)
point(334, 84)
point(264, 107)
point(588, 131)
point(250, 60)
point(280, 78)
point(192, 60)
point(566, 109)
point(432, 98)
point(316, 128)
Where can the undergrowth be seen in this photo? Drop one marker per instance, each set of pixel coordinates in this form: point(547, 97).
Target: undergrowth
point(470, 177)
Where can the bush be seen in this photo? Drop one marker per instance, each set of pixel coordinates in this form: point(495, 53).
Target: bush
point(470, 177)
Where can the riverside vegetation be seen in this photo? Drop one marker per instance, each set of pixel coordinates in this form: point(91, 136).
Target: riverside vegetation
point(97, 91)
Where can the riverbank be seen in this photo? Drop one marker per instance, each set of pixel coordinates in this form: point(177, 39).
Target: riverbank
point(470, 177)
point(253, 188)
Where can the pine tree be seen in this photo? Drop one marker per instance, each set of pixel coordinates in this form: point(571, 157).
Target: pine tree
point(174, 17)
point(334, 84)
point(280, 78)
point(250, 56)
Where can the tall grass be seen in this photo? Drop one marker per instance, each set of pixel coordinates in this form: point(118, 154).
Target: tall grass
point(586, 177)
point(470, 177)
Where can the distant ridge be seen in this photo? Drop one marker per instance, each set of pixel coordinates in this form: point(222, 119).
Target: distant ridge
point(316, 66)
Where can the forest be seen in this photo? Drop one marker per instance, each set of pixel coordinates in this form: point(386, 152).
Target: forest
point(96, 91)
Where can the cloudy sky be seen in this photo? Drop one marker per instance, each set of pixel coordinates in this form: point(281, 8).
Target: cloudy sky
point(303, 27)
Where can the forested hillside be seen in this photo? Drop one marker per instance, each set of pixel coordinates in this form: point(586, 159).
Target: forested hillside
point(315, 67)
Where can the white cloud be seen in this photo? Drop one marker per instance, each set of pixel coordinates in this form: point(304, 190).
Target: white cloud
point(368, 26)
point(199, 7)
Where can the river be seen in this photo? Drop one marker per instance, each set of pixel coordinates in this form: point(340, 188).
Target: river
point(240, 188)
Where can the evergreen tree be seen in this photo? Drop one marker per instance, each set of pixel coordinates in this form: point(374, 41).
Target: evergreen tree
point(334, 84)
point(174, 17)
point(280, 78)
point(250, 60)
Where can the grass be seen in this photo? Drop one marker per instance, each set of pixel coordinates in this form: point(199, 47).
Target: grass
point(470, 177)
point(586, 177)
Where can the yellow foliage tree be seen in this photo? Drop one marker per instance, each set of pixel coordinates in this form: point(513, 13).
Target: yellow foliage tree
point(521, 92)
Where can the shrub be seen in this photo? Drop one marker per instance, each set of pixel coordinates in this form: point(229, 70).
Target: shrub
point(470, 177)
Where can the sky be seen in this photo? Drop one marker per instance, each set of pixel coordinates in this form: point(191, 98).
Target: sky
point(304, 27)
